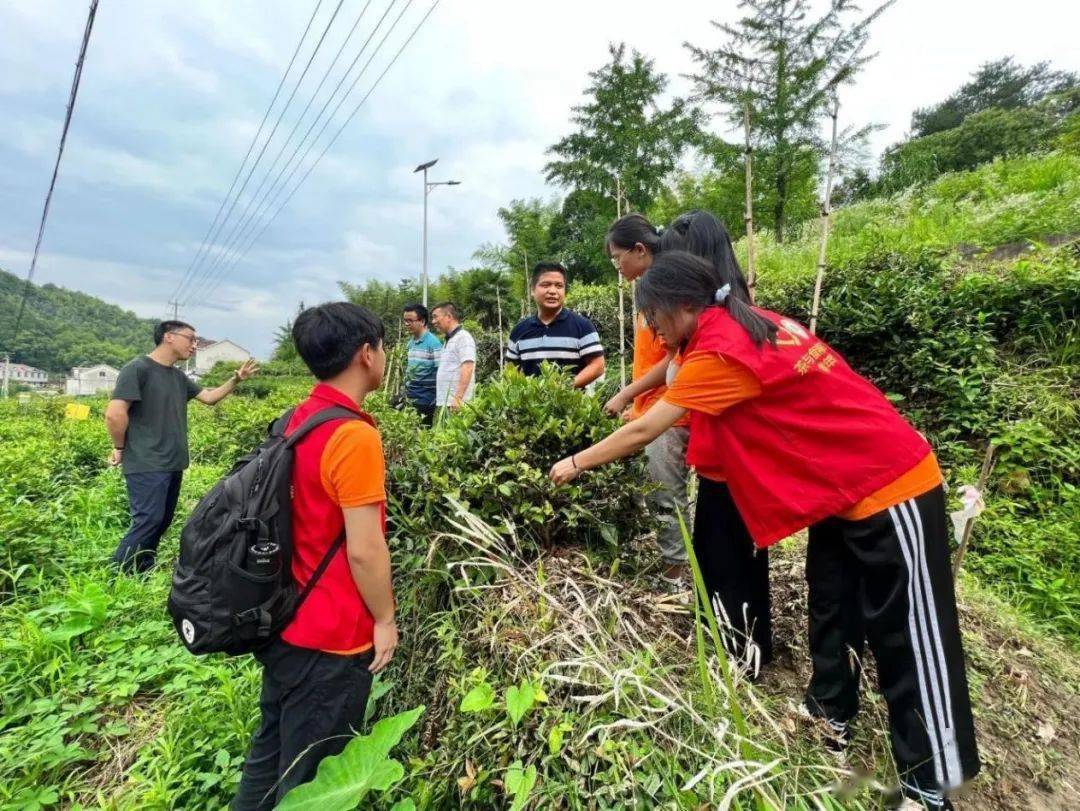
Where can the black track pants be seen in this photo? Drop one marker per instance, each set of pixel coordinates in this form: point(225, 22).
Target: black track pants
point(886, 579)
point(736, 573)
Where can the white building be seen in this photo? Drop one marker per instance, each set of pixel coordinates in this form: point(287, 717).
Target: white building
point(209, 352)
point(23, 374)
point(91, 379)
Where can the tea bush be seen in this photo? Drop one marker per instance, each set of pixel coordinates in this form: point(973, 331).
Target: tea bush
point(494, 456)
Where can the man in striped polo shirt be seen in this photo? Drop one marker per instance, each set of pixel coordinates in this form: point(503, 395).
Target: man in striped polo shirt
point(422, 364)
point(555, 334)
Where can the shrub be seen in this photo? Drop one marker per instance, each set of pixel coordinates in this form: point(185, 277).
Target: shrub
point(495, 454)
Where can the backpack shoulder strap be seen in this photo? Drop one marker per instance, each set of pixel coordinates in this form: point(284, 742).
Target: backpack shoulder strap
point(313, 422)
point(320, 418)
point(278, 426)
point(339, 541)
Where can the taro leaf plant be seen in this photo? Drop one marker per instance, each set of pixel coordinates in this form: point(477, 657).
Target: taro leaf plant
point(365, 766)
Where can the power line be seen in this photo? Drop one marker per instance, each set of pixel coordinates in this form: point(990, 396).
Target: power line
point(329, 144)
point(206, 239)
point(281, 116)
point(226, 244)
point(56, 170)
point(273, 192)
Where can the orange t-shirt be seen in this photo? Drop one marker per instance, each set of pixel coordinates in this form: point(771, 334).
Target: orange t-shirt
point(352, 472)
point(710, 384)
point(649, 350)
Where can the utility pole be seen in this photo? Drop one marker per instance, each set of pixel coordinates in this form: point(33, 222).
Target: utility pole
point(423, 167)
point(175, 309)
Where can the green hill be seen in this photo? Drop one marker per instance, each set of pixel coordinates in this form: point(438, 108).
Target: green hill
point(63, 328)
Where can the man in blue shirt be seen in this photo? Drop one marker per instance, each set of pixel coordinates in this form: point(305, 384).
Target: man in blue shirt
point(422, 364)
point(555, 334)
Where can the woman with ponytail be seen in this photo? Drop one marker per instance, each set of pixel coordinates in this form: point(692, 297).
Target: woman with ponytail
point(805, 442)
point(734, 571)
point(632, 241)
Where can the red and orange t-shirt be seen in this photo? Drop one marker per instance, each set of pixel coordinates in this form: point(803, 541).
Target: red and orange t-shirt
point(710, 383)
point(338, 466)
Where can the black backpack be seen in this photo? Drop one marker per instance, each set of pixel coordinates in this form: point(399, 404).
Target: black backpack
point(227, 597)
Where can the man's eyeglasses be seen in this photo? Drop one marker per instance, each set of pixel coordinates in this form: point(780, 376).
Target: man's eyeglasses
point(411, 320)
point(190, 338)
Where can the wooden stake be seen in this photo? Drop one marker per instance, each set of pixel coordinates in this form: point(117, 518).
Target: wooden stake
point(498, 305)
point(826, 210)
point(984, 474)
point(748, 216)
point(392, 361)
point(622, 295)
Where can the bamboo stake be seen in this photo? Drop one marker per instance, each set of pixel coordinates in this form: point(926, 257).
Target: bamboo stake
point(392, 363)
point(525, 308)
point(622, 296)
point(984, 475)
point(498, 306)
point(826, 211)
point(748, 216)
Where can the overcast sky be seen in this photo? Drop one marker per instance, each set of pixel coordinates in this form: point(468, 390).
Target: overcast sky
point(173, 92)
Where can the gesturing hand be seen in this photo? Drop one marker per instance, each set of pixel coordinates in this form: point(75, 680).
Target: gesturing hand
point(247, 369)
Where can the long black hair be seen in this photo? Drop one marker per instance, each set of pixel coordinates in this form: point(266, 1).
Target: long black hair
point(631, 229)
point(700, 233)
point(679, 278)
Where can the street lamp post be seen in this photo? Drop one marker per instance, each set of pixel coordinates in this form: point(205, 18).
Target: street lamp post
point(428, 186)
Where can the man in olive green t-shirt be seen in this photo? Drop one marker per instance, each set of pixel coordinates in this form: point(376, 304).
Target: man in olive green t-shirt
point(147, 420)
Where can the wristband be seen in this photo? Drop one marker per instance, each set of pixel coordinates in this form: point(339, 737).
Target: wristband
point(573, 461)
point(118, 449)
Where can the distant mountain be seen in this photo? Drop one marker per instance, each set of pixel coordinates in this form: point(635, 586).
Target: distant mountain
point(63, 328)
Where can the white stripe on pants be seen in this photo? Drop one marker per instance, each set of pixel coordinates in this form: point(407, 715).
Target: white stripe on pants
point(927, 646)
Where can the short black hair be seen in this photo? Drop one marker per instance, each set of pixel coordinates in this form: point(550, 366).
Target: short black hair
point(419, 310)
point(328, 336)
point(450, 308)
point(169, 326)
point(540, 268)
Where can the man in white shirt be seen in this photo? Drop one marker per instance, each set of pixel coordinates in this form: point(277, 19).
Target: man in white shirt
point(456, 379)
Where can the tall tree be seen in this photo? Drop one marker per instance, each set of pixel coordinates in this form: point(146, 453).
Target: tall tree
point(527, 224)
point(623, 131)
point(777, 66)
point(577, 235)
point(1002, 84)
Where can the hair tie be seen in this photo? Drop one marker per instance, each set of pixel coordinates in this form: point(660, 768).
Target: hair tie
point(660, 230)
point(722, 294)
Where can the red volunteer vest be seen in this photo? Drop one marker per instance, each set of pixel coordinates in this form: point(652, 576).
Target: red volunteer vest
point(818, 439)
point(334, 616)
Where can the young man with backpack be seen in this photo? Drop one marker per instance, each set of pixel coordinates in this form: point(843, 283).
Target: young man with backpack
point(317, 674)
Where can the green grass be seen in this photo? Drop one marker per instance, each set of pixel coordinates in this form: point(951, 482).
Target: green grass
point(1027, 198)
